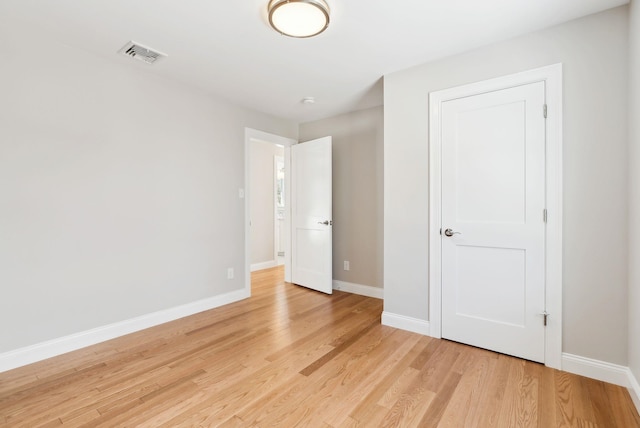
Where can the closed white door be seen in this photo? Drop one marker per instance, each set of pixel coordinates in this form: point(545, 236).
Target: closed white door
point(493, 224)
point(311, 215)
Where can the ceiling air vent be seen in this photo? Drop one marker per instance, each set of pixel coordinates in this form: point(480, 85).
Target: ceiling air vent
point(141, 52)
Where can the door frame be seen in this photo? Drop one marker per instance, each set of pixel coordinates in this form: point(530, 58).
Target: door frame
point(251, 135)
point(276, 230)
point(552, 76)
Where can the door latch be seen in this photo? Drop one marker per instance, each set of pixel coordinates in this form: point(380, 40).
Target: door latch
point(545, 315)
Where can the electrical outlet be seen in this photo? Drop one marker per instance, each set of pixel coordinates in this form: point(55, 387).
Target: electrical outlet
point(230, 273)
point(346, 265)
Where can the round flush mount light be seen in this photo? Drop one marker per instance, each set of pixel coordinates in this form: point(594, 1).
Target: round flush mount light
point(299, 18)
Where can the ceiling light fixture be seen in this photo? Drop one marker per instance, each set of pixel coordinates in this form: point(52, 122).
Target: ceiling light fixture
point(299, 18)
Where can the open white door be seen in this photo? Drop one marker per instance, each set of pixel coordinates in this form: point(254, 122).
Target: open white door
point(311, 215)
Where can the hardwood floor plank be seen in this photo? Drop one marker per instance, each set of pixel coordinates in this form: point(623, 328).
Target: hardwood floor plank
point(421, 359)
point(420, 395)
point(362, 412)
point(573, 402)
point(118, 399)
point(340, 346)
point(36, 415)
point(520, 399)
point(437, 368)
point(271, 404)
point(623, 409)
point(289, 356)
point(374, 358)
point(343, 317)
point(463, 409)
point(145, 409)
point(546, 396)
point(391, 395)
point(372, 416)
point(565, 415)
point(494, 394)
point(80, 418)
point(435, 411)
point(603, 412)
point(224, 401)
point(329, 383)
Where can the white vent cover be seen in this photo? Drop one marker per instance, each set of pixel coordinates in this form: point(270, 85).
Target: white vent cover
point(141, 52)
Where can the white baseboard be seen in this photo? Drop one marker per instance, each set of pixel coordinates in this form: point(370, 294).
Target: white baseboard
point(264, 265)
point(363, 290)
point(51, 348)
point(596, 369)
point(634, 390)
point(406, 323)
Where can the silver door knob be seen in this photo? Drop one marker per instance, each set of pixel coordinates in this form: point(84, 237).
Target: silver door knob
point(450, 232)
point(326, 222)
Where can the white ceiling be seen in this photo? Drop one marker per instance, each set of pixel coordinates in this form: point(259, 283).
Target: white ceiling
point(227, 47)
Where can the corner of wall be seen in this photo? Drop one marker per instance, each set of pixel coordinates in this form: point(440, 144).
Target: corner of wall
point(634, 390)
point(634, 203)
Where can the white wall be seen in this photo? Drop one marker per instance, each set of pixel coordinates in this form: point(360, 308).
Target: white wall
point(634, 191)
point(263, 200)
point(357, 192)
point(118, 191)
point(593, 51)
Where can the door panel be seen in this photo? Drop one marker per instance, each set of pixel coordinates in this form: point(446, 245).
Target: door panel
point(493, 178)
point(491, 175)
point(484, 274)
point(311, 212)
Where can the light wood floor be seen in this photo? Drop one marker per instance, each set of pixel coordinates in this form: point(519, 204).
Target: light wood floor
point(293, 357)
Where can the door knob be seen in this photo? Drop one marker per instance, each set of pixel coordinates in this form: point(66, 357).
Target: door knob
point(450, 232)
point(326, 222)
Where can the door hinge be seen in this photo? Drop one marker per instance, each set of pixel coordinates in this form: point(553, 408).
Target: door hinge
point(544, 215)
point(545, 315)
point(544, 111)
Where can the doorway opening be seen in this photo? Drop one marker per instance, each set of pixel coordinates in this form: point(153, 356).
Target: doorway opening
point(267, 208)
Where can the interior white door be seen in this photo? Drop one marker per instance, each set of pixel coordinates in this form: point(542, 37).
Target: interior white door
point(311, 215)
point(493, 227)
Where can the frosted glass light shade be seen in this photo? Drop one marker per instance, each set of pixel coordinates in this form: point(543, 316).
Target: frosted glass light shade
point(299, 18)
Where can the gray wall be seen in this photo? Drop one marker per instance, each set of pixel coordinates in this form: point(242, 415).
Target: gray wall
point(594, 53)
point(357, 192)
point(119, 191)
point(262, 200)
point(634, 191)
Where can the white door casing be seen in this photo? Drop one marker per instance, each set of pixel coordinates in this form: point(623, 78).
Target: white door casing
point(490, 284)
point(311, 215)
point(278, 206)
